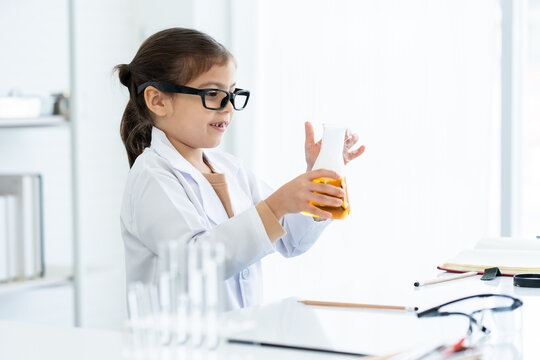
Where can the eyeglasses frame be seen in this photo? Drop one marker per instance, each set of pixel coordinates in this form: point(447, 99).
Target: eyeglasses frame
point(434, 312)
point(182, 89)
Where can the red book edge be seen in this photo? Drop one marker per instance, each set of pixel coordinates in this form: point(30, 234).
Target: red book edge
point(463, 271)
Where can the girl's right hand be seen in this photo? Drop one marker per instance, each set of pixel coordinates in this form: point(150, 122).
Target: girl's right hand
point(295, 196)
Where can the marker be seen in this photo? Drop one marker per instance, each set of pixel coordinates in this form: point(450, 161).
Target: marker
point(446, 278)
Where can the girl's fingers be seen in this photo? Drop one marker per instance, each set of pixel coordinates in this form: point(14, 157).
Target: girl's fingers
point(350, 137)
point(357, 152)
point(327, 189)
point(310, 134)
point(315, 174)
point(325, 200)
point(351, 141)
point(318, 212)
point(354, 154)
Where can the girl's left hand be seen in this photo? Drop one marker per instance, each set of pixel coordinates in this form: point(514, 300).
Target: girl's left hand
point(313, 148)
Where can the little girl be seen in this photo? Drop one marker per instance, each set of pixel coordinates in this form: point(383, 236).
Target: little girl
point(183, 96)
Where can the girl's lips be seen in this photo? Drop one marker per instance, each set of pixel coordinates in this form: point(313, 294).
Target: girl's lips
point(220, 126)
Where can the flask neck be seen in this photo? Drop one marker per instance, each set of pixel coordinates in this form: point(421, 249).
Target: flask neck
point(331, 154)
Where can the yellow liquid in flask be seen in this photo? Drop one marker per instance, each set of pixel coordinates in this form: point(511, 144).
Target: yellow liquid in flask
point(338, 212)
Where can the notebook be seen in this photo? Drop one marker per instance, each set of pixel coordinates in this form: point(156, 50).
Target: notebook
point(512, 256)
point(360, 331)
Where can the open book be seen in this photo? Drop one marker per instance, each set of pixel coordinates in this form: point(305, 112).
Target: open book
point(512, 256)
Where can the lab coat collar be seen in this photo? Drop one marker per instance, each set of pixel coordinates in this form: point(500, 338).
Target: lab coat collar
point(210, 201)
point(161, 144)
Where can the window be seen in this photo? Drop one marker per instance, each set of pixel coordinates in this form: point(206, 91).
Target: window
point(530, 142)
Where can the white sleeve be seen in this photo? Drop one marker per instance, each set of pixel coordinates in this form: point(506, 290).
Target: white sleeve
point(301, 230)
point(162, 210)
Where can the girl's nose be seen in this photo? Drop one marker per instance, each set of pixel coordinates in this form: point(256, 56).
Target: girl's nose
point(228, 107)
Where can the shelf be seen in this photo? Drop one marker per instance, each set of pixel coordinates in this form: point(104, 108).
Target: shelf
point(49, 120)
point(55, 276)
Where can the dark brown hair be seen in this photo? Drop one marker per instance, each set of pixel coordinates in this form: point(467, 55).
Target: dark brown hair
point(174, 55)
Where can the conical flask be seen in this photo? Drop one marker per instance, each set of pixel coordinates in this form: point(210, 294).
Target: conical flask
point(331, 158)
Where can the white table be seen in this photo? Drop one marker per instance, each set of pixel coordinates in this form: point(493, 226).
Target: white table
point(289, 322)
point(26, 341)
point(386, 331)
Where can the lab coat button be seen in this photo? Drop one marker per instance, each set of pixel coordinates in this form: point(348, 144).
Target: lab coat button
point(245, 274)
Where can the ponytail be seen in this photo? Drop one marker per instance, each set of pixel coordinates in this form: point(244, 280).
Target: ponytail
point(174, 55)
point(136, 132)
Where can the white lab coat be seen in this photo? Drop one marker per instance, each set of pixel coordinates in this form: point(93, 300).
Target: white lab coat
point(167, 198)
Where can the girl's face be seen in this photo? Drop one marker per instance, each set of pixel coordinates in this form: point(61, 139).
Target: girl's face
point(188, 124)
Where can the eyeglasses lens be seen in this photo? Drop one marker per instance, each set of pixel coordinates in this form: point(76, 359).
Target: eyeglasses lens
point(217, 100)
point(240, 101)
point(489, 312)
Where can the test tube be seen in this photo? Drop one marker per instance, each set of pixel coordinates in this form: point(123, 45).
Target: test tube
point(141, 308)
point(213, 254)
point(135, 335)
point(165, 294)
point(195, 289)
point(173, 291)
point(181, 299)
point(183, 308)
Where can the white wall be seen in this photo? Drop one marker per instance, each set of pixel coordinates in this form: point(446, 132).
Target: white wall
point(34, 38)
point(419, 82)
point(103, 37)
point(529, 144)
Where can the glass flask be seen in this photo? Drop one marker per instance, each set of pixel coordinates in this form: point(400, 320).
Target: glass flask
point(331, 158)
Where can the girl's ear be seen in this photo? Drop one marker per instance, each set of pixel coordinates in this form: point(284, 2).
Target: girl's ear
point(155, 101)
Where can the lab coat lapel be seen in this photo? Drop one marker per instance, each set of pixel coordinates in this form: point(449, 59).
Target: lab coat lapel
point(239, 201)
point(210, 201)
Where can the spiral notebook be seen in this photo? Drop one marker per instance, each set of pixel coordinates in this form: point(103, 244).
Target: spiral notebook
point(512, 256)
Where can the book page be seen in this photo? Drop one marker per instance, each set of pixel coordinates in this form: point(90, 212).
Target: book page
point(510, 262)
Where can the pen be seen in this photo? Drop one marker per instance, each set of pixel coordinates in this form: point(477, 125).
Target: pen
point(295, 347)
point(446, 278)
point(352, 305)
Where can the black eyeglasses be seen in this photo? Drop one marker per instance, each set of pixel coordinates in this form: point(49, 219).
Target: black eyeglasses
point(473, 307)
point(212, 99)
